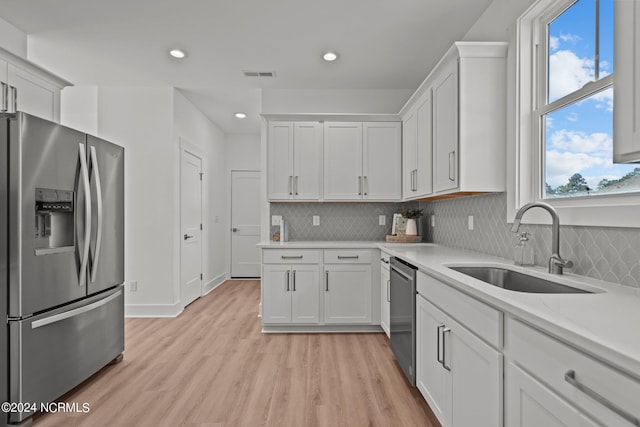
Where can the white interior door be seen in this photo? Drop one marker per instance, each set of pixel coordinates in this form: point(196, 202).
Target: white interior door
point(191, 227)
point(245, 223)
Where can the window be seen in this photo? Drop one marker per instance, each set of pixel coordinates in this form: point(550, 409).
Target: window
point(575, 106)
point(564, 122)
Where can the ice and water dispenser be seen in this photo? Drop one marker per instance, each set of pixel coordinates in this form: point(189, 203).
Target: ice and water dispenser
point(54, 221)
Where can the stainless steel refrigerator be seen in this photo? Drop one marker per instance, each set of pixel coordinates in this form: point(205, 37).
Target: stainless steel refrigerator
point(61, 258)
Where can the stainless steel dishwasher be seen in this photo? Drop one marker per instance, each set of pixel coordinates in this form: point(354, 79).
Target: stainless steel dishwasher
point(403, 316)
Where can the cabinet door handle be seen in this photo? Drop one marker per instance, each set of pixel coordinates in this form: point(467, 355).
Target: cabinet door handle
point(388, 296)
point(366, 185)
point(452, 166)
point(4, 97)
point(438, 334)
point(570, 377)
point(13, 99)
point(348, 257)
point(326, 275)
point(359, 186)
point(287, 281)
point(295, 185)
point(294, 281)
point(290, 185)
point(444, 349)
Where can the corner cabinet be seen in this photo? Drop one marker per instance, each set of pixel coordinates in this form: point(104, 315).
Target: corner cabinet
point(26, 87)
point(626, 120)
point(362, 161)
point(294, 160)
point(456, 121)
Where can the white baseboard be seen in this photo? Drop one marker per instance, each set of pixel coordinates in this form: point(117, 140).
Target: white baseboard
point(153, 310)
point(213, 283)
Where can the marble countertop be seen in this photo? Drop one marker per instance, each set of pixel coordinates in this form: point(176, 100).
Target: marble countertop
point(605, 324)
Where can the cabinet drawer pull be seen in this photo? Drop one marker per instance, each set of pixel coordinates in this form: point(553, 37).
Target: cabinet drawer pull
point(292, 257)
point(348, 257)
point(386, 261)
point(570, 377)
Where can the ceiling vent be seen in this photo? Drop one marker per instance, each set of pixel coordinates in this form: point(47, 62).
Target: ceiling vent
point(259, 73)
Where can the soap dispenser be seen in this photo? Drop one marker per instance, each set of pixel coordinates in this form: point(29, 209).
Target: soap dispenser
point(523, 252)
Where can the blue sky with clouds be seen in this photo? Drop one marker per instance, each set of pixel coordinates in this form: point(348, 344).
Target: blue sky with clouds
point(579, 136)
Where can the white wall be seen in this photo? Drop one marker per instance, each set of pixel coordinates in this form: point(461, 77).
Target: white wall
point(12, 39)
point(191, 125)
point(79, 108)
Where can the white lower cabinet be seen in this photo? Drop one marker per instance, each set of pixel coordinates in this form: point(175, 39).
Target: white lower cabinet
point(551, 383)
point(531, 404)
point(290, 293)
point(347, 293)
point(385, 293)
point(459, 375)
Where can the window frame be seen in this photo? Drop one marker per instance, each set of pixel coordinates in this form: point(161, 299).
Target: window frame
point(607, 210)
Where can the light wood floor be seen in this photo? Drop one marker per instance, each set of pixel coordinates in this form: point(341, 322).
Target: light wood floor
point(212, 366)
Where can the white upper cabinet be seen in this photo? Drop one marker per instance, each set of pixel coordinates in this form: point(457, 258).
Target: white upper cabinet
point(294, 160)
point(445, 127)
point(29, 88)
point(626, 120)
point(362, 161)
point(458, 120)
point(342, 161)
point(382, 161)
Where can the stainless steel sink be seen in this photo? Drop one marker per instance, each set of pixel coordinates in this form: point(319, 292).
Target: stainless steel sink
point(516, 281)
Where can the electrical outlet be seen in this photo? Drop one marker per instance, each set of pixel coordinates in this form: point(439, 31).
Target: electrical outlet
point(276, 219)
point(133, 286)
point(382, 220)
point(470, 222)
point(433, 220)
point(316, 220)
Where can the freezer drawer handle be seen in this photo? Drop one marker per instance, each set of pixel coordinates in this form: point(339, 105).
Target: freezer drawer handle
point(75, 312)
point(87, 213)
point(96, 253)
point(570, 377)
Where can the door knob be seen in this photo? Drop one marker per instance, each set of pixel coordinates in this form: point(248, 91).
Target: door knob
point(187, 237)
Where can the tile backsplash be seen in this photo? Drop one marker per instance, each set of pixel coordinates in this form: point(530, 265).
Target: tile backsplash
point(338, 221)
point(606, 253)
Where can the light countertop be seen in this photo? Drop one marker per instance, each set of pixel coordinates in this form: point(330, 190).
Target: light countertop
point(605, 324)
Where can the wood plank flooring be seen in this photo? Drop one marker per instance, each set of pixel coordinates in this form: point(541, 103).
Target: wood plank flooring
point(212, 367)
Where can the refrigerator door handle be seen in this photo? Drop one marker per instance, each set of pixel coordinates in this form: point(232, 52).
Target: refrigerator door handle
point(87, 214)
point(96, 252)
point(75, 312)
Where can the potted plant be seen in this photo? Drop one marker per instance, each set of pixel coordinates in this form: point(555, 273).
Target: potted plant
point(411, 215)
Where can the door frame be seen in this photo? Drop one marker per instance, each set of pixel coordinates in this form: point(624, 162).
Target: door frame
point(231, 217)
point(188, 147)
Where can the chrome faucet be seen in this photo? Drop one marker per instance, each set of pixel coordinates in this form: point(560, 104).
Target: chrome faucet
point(556, 262)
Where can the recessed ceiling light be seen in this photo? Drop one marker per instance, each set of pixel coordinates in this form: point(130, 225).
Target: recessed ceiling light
point(330, 56)
point(177, 53)
point(241, 115)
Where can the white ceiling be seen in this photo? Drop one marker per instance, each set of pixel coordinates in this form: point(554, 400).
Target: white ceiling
point(382, 44)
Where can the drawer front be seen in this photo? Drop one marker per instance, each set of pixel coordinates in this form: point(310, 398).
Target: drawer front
point(592, 386)
point(347, 256)
point(484, 321)
point(291, 256)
